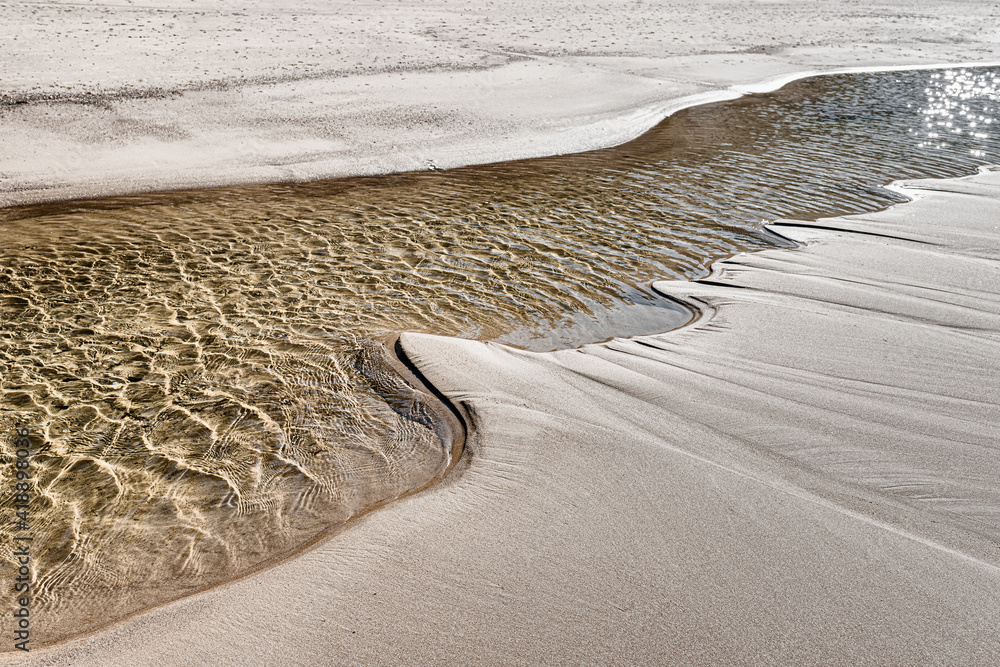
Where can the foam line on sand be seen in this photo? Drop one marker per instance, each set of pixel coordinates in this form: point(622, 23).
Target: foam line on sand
point(807, 473)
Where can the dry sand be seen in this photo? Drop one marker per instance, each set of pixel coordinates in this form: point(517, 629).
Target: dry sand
point(806, 474)
point(106, 98)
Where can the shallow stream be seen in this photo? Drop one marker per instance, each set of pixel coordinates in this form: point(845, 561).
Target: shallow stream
point(197, 371)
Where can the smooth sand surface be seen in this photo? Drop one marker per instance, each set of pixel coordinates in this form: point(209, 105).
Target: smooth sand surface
point(807, 474)
point(103, 98)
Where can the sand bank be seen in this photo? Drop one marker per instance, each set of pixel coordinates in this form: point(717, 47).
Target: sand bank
point(805, 474)
point(113, 97)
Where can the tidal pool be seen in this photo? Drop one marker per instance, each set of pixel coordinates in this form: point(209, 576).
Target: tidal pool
point(198, 371)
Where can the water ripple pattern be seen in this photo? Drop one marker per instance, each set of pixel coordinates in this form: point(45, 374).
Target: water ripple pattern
point(198, 369)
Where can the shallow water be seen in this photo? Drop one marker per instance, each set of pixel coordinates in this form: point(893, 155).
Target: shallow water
point(196, 370)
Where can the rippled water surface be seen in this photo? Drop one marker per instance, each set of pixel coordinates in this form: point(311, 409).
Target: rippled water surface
point(196, 368)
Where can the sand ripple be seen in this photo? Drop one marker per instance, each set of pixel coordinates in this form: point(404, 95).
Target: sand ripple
point(197, 367)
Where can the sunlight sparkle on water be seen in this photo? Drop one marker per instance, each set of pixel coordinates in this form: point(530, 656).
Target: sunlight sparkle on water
point(959, 102)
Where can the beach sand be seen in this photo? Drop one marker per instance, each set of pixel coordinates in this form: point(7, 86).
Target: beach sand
point(104, 98)
point(805, 474)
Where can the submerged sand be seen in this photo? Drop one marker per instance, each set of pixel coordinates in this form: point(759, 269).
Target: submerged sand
point(805, 474)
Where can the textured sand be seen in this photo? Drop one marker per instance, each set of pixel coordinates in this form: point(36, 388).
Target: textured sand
point(102, 98)
point(808, 474)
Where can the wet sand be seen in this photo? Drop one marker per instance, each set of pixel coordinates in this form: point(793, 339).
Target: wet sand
point(193, 363)
point(805, 474)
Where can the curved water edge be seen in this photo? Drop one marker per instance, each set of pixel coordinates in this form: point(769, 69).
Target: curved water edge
point(620, 130)
point(196, 324)
point(453, 425)
point(573, 136)
point(450, 424)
